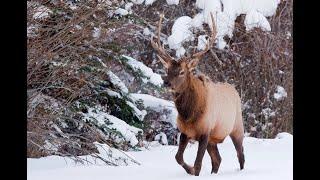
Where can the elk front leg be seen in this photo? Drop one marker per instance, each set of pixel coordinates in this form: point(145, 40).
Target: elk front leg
point(179, 156)
point(215, 157)
point(203, 143)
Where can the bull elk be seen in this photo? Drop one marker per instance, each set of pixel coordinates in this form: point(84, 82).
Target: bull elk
point(207, 112)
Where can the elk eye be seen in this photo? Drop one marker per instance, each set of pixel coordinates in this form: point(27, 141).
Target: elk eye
point(181, 73)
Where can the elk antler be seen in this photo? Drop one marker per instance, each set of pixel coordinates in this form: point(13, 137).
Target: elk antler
point(163, 55)
point(211, 40)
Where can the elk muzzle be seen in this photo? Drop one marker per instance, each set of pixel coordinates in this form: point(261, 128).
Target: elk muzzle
point(166, 82)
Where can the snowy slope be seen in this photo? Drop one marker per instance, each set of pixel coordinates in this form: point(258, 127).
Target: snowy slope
point(265, 159)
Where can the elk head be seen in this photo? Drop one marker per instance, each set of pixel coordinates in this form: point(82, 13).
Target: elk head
point(179, 70)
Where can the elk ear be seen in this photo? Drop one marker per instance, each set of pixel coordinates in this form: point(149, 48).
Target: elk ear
point(166, 64)
point(192, 64)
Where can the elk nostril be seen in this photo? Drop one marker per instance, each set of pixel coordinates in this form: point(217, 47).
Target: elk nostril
point(166, 83)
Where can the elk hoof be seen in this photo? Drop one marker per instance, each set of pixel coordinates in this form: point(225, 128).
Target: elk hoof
point(197, 170)
point(214, 170)
point(190, 170)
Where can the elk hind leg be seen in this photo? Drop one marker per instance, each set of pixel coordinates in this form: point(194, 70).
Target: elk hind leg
point(237, 140)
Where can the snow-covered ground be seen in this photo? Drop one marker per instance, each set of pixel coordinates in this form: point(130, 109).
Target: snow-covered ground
point(266, 159)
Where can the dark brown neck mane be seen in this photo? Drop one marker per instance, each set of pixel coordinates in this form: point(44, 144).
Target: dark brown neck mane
point(190, 99)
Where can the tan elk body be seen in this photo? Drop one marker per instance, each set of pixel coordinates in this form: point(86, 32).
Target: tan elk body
point(207, 112)
point(221, 114)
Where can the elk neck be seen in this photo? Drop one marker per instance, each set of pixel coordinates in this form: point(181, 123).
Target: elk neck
point(190, 99)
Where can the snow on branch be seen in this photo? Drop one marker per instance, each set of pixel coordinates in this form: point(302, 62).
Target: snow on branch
point(225, 13)
point(149, 75)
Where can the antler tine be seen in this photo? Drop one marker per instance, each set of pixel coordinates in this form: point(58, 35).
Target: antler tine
point(159, 28)
point(157, 46)
point(211, 39)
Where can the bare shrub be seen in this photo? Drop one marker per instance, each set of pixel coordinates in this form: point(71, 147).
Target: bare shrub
point(64, 68)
